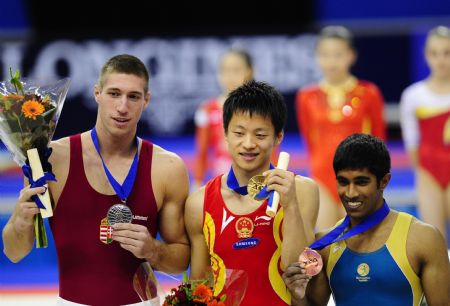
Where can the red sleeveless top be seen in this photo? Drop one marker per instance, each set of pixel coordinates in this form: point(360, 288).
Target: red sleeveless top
point(91, 272)
point(246, 242)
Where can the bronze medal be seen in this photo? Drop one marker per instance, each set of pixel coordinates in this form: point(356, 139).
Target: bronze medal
point(255, 185)
point(312, 261)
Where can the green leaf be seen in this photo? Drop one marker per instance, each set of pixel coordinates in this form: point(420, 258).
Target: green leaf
point(15, 80)
point(185, 278)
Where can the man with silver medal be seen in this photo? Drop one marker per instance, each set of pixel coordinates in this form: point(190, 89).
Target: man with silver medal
point(110, 200)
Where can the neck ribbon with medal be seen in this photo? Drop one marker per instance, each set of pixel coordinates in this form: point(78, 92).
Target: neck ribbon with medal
point(256, 189)
point(312, 259)
point(118, 213)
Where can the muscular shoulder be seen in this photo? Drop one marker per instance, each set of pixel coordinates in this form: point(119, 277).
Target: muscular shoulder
point(168, 161)
point(424, 238)
point(61, 149)
point(60, 157)
point(169, 175)
point(195, 200)
point(193, 213)
point(307, 188)
point(305, 183)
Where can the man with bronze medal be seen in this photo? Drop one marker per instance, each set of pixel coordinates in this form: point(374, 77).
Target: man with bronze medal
point(375, 255)
point(234, 222)
point(110, 198)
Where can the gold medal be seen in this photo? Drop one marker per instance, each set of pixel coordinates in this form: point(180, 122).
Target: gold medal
point(244, 227)
point(254, 186)
point(105, 231)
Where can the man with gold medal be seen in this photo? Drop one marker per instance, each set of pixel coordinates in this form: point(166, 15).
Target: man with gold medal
point(227, 228)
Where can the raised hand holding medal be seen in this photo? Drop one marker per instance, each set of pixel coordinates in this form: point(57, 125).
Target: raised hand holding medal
point(118, 213)
point(256, 187)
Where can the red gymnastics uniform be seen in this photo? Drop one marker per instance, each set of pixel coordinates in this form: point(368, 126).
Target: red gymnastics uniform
point(434, 149)
point(249, 242)
point(212, 151)
point(324, 127)
point(425, 121)
point(91, 272)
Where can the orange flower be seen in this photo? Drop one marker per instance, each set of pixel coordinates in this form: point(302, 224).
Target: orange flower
point(215, 303)
point(32, 108)
point(203, 294)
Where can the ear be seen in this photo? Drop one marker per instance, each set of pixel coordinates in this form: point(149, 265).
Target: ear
point(279, 138)
point(147, 99)
point(385, 181)
point(96, 93)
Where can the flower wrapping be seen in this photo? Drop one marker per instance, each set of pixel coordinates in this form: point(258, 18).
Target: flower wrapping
point(29, 112)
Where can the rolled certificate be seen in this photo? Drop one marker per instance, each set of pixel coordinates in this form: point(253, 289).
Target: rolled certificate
point(38, 172)
point(272, 204)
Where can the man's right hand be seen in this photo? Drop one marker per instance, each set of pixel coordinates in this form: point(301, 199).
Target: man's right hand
point(296, 280)
point(26, 209)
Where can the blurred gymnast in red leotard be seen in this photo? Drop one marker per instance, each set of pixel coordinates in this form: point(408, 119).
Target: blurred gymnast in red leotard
point(425, 121)
point(327, 112)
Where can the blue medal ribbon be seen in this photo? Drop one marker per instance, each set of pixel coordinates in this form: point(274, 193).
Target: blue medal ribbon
point(48, 176)
point(335, 235)
point(124, 190)
point(233, 184)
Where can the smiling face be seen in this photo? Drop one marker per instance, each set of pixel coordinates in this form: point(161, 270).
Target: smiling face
point(360, 193)
point(251, 140)
point(121, 101)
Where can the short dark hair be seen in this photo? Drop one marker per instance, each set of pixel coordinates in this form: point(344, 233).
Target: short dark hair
point(363, 151)
point(124, 63)
point(256, 98)
point(338, 32)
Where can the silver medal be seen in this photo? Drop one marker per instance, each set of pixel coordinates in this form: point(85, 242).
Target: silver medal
point(119, 213)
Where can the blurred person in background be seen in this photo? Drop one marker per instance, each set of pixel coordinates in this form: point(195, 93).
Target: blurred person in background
point(212, 155)
point(425, 123)
point(338, 106)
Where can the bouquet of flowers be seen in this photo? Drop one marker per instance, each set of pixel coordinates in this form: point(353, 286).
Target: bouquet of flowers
point(28, 117)
point(190, 293)
point(200, 293)
point(193, 293)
